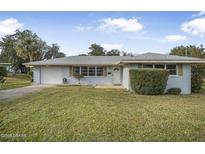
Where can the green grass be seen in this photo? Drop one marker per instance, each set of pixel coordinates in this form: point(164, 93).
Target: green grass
point(16, 81)
point(79, 113)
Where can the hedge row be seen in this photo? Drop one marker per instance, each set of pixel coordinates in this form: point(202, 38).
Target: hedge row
point(174, 91)
point(149, 81)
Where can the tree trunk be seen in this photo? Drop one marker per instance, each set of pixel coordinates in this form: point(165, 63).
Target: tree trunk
point(31, 58)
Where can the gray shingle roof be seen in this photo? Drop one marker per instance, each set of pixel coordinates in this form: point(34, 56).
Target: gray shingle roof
point(113, 60)
point(81, 60)
point(161, 57)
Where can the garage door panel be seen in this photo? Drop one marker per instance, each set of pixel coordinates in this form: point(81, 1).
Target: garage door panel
point(51, 75)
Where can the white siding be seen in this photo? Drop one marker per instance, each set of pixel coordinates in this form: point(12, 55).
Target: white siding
point(65, 72)
point(183, 82)
point(174, 82)
point(91, 81)
point(36, 75)
point(186, 79)
point(126, 78)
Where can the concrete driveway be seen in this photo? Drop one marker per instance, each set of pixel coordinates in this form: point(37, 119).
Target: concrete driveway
point(17, 92)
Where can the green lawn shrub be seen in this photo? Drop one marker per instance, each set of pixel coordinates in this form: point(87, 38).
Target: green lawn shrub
point(174, 91)
point(149, 81)
point(197, 77)
point(3, 71)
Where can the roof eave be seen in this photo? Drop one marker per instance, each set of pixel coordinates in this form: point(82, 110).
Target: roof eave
point(164, 61)
point(29, 65)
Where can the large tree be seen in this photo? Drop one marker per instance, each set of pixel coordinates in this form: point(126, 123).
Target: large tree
point(190, 51)
point(53, 52)
point(29, 46)
point(96, 50)
point(8, 52)
point(113, 52)
point(198, 71)
point(116, 52)
point(25, 46)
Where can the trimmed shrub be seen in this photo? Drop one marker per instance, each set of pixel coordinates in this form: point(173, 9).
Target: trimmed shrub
point(2, 81)
point(174, 91)
point(30, 75)
point(3, 71)
point(149, 81)
point(197, 77)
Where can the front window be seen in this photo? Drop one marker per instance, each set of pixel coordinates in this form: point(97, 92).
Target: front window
point(76, 70)
point(147, 65)
point(99, 71)
point(172, 69)
point(91, 71)
point(160, 66)
point(139, 65)
point(84, 71)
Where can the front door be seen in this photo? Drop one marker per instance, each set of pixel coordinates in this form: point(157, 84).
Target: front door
point(116, 75)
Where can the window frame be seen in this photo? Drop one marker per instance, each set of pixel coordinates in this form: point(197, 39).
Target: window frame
point(159, 64)
point(97, 67)
point(85, 71)
point(143, 65)
point(95, 72)
point(173, 69)
point(165, 67)
point(73, 70)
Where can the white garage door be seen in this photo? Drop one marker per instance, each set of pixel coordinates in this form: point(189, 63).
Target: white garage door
point(51, 75)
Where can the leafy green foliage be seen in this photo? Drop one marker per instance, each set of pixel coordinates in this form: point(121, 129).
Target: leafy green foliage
point(197, 77)
point(174, 91)
point(116, 52)
point(30, 74)
point(149, 81)
point(83, 54)
point(8, 53)
point(96, 50)
point(53, 52)
point(3, 71)
point(2, 81)
point(198, 71)
point(189, 51)
point(78, 76)
point(29, 46)
point(25, 46)
point(113, 52)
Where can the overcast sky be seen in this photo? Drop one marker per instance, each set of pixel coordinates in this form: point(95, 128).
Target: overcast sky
point(136, 32)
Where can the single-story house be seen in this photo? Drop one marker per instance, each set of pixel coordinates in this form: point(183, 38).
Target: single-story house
point(113, 70)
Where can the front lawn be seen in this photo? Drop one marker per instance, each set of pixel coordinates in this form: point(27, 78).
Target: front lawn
point(77, 113)
point(16, 81)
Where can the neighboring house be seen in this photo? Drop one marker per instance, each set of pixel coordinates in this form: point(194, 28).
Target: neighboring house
point(113, 70)
point(7, 66)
